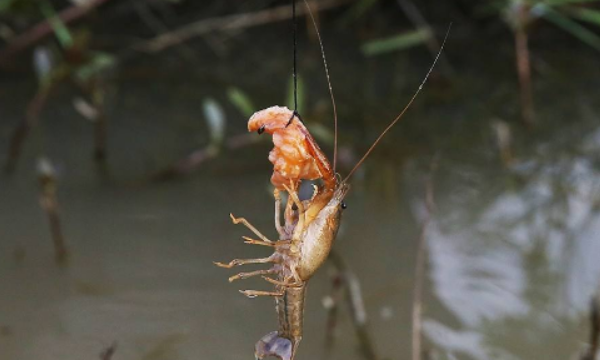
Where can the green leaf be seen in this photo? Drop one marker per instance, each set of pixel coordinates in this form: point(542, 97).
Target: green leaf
point(290, 95)
point(396, 43)
point(321, 133)
point(99, 61)
point(584, 14)
point(573, 28)
point(58, 26)
point(241, 101)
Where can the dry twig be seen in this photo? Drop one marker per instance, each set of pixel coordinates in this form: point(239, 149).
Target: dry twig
point(524, 65)
point(346, 279)
point(198, 157)
point(228, 23)
point(49, 203)
point(417, 310)
point(143, 10)
point(416, 17)
point(108, 353)
point(590, 354)
point(22, 129)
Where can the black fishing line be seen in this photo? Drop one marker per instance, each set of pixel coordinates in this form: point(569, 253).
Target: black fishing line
point(295, 62)
point(295, 35)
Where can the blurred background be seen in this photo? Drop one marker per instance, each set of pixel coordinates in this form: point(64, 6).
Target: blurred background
point(472, 231)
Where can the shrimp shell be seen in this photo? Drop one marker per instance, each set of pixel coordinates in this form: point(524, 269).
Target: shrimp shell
point(291, 157)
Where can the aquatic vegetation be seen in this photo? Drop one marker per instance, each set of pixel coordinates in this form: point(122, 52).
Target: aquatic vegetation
point(397, 42)
point(72, 61)
point(521, 14)
point(49, 203)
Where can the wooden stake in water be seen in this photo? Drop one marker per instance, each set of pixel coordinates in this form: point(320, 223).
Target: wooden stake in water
point(49, 203)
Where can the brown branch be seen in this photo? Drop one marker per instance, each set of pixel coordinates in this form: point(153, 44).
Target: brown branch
point(142, 8)
point(198, 157)
point(97, 93)
point(524, 66)
point(43, 29)
point(417, 309)
point(332, 314)
point(108, 353)
point(49, 203)
point(227, 23)
point(590, 354)
point(418, 20)
point(356, 305)
point(21, 131)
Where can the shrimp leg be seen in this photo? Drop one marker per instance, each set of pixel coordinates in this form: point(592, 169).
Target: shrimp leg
point(248, 240)
point(249, 226)
point(254, 293)
point(301, 215)
point(278, 226)
point(238, 262)
point(251, 241)
point(245, 275)
point(294, 195)
point(289, 212)
point(282, 283)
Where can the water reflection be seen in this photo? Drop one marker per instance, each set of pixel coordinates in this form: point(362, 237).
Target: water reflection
point(517, 265)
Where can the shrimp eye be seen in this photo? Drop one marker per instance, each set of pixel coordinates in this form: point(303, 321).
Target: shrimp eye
point(344, 206)
point(261, 130)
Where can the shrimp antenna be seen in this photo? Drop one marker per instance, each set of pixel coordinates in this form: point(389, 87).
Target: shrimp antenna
point(335, 117)
point(412, 99)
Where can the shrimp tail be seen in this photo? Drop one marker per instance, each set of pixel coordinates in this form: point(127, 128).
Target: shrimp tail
point(283, 343)
point(274, 345)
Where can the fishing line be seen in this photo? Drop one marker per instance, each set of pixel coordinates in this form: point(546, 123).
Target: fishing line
point(295, 35)
point(412, 99)
point(295, 63)
point(335, 116)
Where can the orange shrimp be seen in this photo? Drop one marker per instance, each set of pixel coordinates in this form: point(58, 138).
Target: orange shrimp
point(296, 155)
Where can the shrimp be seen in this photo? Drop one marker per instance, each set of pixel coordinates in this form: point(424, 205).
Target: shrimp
point(296, 154)
point(308, 231)
point(310, 226)
point(302, 248)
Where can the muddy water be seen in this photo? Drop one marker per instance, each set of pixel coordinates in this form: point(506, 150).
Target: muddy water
point(512, 249)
